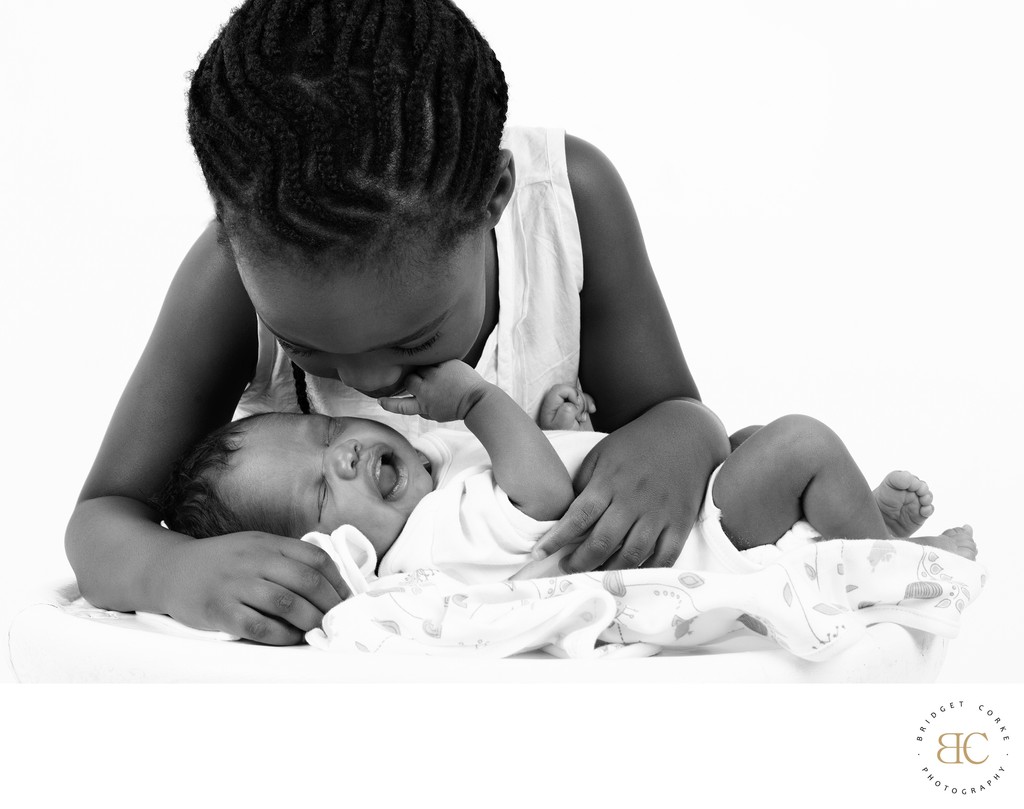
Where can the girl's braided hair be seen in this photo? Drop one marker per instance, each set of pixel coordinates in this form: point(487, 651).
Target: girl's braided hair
point(353, 123)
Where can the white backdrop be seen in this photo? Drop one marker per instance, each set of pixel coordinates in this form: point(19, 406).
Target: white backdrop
point(832, 196)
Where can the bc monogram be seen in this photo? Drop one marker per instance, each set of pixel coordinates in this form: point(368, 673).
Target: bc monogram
point(943, 751)
point(962, 747)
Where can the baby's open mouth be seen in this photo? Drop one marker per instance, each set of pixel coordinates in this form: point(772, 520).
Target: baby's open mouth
point(390, 475)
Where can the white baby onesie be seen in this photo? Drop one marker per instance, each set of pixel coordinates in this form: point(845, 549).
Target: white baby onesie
point(470, 529)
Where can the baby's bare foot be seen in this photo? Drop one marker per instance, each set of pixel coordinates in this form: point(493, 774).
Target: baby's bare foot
point(956, 540)
point(905, 502)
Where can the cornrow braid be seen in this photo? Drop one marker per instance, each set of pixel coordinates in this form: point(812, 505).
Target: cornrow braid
point(301, 394)
point(321, 123)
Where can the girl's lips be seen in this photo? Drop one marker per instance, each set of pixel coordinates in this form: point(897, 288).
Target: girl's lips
point(392, 390)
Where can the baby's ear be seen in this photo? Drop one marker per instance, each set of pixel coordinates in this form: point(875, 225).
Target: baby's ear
point(502, 186)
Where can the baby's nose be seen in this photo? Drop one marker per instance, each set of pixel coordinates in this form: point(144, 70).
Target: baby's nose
point(345, 459)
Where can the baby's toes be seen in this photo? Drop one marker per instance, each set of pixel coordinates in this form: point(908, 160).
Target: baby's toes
point(926, 511)
point(900, 479)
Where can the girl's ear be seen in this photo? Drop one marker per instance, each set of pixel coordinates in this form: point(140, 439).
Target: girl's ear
point(503, 185)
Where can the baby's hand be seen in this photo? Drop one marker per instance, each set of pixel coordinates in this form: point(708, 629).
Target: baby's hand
point(444, 392)
point(565, 407)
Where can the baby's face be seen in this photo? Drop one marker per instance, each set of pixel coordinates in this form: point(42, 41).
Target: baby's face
point(319, 472)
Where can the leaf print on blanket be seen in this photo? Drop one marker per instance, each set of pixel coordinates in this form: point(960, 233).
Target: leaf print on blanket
point(690, 580)
point(881, 551)
point(681, 626)
point(923, 589)
point(754, 625)
point(613, 583)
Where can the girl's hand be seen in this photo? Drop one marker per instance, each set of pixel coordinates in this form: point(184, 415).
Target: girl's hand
point(445, 392)
point(566, 407)
point(640, 490)
point(258, 586)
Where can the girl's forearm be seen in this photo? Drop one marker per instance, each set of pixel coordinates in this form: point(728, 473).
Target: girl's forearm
point(525, 464)
point(119, 554)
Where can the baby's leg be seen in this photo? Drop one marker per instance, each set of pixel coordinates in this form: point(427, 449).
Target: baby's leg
point(794, 468)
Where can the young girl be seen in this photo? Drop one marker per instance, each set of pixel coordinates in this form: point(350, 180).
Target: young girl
point(371, 219)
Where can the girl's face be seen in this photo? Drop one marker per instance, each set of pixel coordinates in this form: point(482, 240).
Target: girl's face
point(369, 328)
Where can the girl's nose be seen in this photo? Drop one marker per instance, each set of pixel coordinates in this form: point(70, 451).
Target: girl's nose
point(373, 379)
point(345, 459)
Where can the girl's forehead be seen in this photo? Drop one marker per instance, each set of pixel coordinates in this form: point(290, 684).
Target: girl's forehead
point(358, 311)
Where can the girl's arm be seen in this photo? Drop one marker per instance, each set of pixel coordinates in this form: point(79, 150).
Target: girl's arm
point(641, 488)
point(525, 465)
point(198, 359)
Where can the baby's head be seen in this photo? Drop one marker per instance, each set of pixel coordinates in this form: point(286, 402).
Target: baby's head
point(288, 474)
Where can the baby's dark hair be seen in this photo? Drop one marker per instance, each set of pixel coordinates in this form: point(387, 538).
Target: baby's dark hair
point(353, 123)
point(192, 501)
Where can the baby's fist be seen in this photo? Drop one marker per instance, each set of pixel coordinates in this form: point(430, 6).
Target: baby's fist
point(565, 407)
point(444, 392)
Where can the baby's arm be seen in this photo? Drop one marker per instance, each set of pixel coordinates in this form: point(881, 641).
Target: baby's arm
point(525, 464)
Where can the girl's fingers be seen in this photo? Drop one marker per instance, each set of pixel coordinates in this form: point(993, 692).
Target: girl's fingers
point(250, 624)
point(637, 547)
point(307, 571)
point(667, 548)
point(402, 405)
point(605, 539)
point(276, 602)
point(582, 513)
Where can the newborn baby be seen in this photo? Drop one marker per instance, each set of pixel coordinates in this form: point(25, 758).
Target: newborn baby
point(476, 503)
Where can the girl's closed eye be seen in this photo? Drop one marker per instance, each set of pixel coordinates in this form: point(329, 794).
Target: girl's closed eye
point(418, 348)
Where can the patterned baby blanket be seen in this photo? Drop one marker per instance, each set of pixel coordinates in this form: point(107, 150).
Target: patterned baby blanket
point(814, 601)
